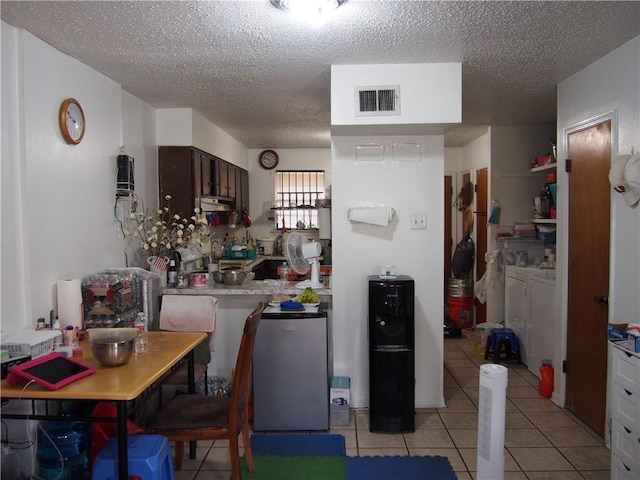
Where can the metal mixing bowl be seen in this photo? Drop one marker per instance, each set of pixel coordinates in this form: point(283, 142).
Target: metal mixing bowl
point(217, 276)
point(112, 354)
point(108, 335)
point(233, 276)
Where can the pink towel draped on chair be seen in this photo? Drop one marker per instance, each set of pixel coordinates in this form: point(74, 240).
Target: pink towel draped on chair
point(180, 313)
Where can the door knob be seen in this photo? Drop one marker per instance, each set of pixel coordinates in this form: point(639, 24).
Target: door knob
point(601, 300)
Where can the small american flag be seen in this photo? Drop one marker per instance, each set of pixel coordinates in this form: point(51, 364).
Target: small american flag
point(159, 263)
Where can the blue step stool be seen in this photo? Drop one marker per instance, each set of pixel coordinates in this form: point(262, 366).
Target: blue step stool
point(502, 341)
point(149, 459)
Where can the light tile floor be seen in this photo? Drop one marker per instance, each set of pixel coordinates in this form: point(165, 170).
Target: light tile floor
point(542, 441)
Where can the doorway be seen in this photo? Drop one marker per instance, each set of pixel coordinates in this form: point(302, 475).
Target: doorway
point(481, 238)
point(448, 228)
point(589, 154)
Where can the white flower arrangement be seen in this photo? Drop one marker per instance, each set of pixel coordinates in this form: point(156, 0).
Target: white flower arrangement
point(162, 231)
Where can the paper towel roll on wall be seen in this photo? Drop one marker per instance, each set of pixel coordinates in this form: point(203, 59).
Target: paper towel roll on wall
point(324, 218)
point(69, 296)
point(380, 216)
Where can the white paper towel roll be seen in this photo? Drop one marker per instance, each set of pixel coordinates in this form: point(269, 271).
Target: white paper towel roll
point(380, 216)
point(69, 297)
point(324, 223)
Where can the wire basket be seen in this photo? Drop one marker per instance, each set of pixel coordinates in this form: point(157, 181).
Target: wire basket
point(30, 342)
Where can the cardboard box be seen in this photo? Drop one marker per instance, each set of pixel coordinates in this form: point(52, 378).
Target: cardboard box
point(338, 415)
point(632, 343)
point(340, 391)
point(616, 332)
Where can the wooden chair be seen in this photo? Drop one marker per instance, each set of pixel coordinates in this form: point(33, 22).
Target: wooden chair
point(198, 417)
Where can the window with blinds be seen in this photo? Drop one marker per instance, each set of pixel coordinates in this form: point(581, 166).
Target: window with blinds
point(296, 192)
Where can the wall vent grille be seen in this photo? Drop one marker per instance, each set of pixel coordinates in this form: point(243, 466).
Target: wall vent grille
point(375, 101)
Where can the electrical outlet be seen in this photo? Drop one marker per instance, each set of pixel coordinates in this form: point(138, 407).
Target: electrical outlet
point(419, 221)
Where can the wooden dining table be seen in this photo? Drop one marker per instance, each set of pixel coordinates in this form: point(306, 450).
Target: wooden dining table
point(123, 385)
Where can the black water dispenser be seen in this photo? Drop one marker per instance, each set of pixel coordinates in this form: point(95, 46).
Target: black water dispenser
point(391, 354)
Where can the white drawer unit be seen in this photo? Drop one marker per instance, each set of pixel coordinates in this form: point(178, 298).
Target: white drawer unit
point(625, 408)
point(626, 370)
point(625, 412)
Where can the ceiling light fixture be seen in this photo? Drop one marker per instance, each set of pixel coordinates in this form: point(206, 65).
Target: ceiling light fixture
point(311, 10)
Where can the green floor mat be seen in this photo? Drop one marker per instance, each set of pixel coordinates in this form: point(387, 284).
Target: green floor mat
point(295, 468)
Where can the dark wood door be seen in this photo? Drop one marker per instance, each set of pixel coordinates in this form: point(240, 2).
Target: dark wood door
point(481, 237)
point(206, 170)
point(178, 174)
point(221, 178)
point(448, 225)
point(242, 189)
point(589, 151)
point(232, 176)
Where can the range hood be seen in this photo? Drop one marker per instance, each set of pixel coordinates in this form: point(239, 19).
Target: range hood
point(212, 204)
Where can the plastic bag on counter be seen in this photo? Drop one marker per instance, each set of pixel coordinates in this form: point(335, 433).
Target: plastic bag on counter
point(480, 289)
point(493, 278)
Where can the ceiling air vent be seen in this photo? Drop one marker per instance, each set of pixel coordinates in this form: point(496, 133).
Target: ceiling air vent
point(376, 101)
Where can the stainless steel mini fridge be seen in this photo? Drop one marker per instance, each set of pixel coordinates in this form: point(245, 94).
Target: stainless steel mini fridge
point(291, 371)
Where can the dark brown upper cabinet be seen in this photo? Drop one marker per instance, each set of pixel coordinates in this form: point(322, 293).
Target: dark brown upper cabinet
point(187, 173)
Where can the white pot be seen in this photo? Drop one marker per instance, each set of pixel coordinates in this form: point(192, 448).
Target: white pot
point(266, 244)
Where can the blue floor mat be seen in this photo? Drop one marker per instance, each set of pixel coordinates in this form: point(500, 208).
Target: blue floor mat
point(298, 445)
point(405, 468)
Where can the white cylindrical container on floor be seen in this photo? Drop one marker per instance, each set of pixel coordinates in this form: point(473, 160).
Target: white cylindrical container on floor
point(491, 421)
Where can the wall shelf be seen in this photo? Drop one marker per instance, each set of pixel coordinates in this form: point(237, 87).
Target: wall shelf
point(544, 220)
point(548, 166)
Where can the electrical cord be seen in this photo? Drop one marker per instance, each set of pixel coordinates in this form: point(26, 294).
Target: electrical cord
point(35, 443)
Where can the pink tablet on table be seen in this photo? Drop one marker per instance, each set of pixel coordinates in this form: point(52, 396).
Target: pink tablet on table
point(52, 371)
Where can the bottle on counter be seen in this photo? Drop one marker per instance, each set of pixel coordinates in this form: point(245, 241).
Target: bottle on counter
point(545, 201)
point(172, 274)
point(284, 272)
point(141, 342)
point(182, 279)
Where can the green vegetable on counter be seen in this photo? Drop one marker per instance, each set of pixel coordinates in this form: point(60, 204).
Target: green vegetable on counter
point(309, 295)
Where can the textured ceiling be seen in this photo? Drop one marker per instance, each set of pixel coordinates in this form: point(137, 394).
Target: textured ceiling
point(264, 77)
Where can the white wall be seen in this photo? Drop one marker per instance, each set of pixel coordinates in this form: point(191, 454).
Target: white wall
point(511, 182)
point(139, 140)
point(430, 94)
point(61, 221)
point(262, 182)
point(13, 302)
point(610, 84)
point(57, 200)
point(360, 249)
point(185, 126)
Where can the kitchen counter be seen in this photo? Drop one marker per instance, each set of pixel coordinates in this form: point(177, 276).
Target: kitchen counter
point(235, 302)
point(248, 287)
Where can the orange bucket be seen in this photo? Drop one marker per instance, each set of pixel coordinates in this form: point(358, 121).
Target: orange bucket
point(461, 311)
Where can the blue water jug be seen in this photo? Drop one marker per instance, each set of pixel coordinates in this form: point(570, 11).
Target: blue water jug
point(63, 450)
